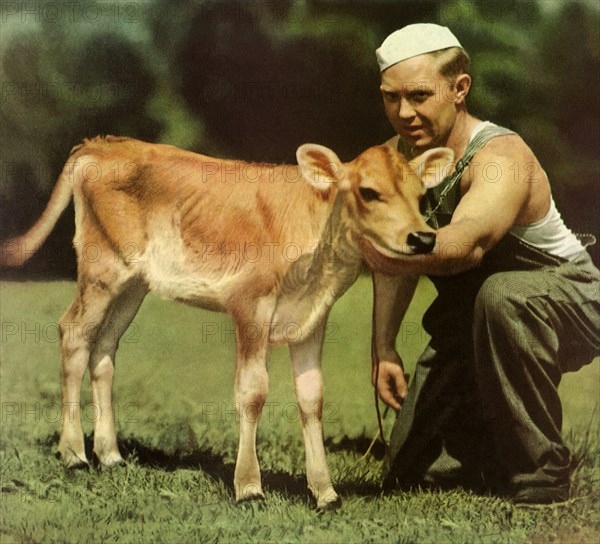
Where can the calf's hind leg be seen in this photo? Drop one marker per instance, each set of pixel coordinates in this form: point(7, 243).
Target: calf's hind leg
point(102, 365)
point(88, 339)
point(75, 355)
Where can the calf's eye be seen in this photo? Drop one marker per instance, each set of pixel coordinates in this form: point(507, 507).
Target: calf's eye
point(368, 194)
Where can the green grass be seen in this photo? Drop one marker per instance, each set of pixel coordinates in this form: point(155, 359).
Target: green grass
point(173, 391)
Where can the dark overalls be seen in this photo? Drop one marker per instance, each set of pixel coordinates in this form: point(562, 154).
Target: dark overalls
point(483, 404)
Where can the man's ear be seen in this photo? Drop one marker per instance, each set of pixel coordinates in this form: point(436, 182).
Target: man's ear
point(463, 86)
point(321, 167)
point(433, 165)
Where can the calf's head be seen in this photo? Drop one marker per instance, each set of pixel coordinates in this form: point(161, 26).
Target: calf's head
point(383, 190)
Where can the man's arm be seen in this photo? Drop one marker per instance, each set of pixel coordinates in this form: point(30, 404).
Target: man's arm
point(392, 298)
point(497, 196)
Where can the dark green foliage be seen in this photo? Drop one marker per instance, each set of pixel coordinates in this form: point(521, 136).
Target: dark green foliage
point(253, 80)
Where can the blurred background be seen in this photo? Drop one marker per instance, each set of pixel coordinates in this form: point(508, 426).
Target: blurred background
point(253, 80)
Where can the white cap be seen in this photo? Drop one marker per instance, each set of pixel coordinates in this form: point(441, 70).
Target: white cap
point(413, 40)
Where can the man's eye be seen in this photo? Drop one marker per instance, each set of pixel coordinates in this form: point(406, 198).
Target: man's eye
point(368, 194)
point(420, 97)
point(391, 97)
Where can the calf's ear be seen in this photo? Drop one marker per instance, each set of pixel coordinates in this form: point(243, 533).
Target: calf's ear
point(320, 166)
point(433, 165)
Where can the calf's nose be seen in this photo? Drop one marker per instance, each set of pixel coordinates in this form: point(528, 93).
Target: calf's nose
point(421, 242)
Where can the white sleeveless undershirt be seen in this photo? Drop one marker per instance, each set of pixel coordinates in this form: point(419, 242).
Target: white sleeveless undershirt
point(550, 233)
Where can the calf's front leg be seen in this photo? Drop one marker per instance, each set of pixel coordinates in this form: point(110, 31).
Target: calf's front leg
point(308, 382)
point(251, 388)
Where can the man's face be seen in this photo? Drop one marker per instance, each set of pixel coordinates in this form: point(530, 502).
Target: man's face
point(418, 101)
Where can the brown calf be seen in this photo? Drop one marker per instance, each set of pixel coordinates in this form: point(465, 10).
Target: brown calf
point(252, 240)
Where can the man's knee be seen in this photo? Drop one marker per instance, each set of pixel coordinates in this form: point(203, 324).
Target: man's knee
point(501, 294)
point(515, 323)
point(509, 308)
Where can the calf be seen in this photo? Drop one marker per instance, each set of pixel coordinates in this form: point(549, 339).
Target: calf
point(252, 240)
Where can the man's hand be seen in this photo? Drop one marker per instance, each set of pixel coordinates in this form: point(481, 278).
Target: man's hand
point(380, 263)
point(391, 383)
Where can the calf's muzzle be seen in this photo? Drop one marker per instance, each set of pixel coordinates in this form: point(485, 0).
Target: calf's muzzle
point(421, 242)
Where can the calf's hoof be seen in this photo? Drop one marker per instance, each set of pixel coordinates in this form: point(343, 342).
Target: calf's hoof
point(73, 461)
point(328, 500)
point(249, 493)
point(111, 460)
point(329, 505)
point(256, 503)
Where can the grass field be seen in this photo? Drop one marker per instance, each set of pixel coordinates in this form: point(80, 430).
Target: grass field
point(176, 424)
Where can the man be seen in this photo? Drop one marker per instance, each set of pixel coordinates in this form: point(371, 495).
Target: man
point(518, 294)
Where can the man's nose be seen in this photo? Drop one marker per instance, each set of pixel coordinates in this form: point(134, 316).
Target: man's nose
point(421, 242)
point(406, 111)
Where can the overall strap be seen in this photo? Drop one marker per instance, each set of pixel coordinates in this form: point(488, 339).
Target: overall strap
point(439, 203)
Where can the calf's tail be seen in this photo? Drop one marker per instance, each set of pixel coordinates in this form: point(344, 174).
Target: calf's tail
point(16, 251)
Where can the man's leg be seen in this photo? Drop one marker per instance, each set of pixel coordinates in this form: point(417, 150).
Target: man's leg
point(435, 437)
point(524, 324)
